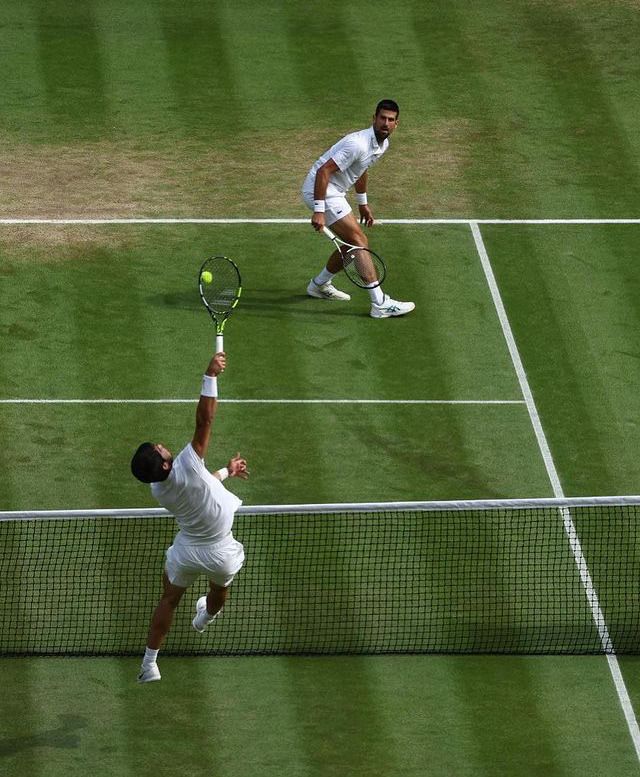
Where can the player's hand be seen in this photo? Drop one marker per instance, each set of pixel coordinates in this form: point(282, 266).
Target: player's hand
point(217, 364)
point(366, 216)
point(237, 467)
point(317, 221)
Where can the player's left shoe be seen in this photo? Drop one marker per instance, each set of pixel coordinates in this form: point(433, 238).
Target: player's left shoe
point(149, 674)
point(203, 619)
point(391, 307)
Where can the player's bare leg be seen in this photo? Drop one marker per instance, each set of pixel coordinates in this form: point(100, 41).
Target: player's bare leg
point(161, 621)
point(321, 286)
point(209, 607)
point(382, 306)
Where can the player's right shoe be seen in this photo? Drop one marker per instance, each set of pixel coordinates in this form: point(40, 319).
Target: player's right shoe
point(390, 307)
point(326, 291)
point(149, 674)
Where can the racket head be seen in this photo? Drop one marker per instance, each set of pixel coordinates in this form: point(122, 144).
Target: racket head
point(363, 267)
point(220, 287)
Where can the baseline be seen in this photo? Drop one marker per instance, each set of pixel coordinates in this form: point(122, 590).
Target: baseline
point(434, 221)
point(264, 401)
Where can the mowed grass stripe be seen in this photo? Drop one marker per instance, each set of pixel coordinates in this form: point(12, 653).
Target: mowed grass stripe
point(347, 724)
point(137, 78)
point(585, 282)
point(600, 160)
point(468, 93)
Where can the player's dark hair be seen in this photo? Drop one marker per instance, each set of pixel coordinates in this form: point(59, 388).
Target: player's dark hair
point(147, 464)
point(388, 105)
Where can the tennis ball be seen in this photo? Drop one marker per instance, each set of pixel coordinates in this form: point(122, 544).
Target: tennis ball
point(206, 277)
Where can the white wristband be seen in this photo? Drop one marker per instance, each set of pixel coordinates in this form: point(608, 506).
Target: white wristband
point(223, 473)
point(318, 206)
point(209, 386)
point(361, 198)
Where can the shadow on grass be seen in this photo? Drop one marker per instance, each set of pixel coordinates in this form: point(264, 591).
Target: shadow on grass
point(66, 736)
point(266, 302)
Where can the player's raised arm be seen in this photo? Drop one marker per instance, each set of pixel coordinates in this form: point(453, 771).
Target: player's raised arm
point(207, 405)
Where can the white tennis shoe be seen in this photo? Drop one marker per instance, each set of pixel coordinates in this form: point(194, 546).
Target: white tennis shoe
point(203, 619)
point(199, 623)
point(149, 674)
point(390, 307)
point(326, 291)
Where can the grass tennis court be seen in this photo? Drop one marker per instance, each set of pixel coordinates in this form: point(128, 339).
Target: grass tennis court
point(509, 110)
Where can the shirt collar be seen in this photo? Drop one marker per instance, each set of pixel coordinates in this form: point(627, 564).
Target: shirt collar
point(376, 148)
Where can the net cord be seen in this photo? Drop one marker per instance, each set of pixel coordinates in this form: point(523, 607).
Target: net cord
point(332, 507)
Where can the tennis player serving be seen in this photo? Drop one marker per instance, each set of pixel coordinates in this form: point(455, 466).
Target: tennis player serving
point(204, 511)
point(324, 190)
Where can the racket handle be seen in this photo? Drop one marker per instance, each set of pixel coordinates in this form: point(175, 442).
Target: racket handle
point(219, 343)
point(328, 233)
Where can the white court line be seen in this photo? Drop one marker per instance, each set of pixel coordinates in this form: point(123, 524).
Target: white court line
point(265, 401)
point(572, 535)
point(468, 222)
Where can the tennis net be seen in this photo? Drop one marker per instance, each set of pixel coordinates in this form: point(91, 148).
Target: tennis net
point(505, 576)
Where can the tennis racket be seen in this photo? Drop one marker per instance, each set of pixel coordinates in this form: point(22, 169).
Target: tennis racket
point(220, 288)
point(361, 265)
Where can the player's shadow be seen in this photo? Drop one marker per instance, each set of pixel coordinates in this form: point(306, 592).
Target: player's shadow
point(266, 303)
point(66, 736)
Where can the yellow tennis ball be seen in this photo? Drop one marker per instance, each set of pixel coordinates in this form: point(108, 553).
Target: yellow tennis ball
point(206, 277)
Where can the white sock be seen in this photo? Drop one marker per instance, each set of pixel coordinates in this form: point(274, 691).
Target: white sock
point(150, 657)
point(376, 294)
point(323, 277)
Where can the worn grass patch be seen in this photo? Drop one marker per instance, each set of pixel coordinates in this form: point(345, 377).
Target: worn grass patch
point(52, 244)
point(249, 175)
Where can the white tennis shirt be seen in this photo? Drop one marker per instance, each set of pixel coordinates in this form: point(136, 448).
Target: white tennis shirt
point(201, 505)
point(354, 153)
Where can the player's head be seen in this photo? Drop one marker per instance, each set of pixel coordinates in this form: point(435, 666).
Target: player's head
point(385, 119)
point(388, 105)
point(151, 463)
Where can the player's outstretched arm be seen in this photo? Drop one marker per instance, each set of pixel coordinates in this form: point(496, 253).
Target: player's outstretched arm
point(207, 405)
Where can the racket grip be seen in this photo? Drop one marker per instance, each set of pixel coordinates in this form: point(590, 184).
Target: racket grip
point(328, 233)
point(219, 343)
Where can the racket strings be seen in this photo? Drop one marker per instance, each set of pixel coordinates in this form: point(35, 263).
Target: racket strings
point(222, 291)
point(363, 266)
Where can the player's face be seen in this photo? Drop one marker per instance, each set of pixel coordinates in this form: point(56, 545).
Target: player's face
point(384, 123)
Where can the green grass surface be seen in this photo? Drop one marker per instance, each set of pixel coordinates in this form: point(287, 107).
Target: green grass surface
point(364, 717)
point(509, 109)
point(131, 307)
point(573, 305)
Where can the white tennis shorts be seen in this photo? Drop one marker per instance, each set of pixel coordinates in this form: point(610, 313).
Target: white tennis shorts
point(336, 208)
point(220, 562)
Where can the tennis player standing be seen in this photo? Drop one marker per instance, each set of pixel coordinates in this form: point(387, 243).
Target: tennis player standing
point(324, 191)
point(204, 511)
